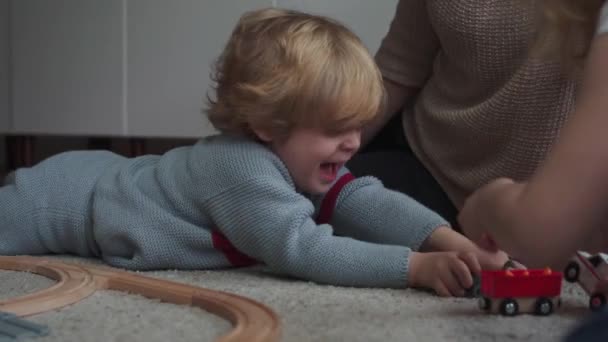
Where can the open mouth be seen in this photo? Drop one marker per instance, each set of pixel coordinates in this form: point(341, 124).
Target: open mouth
point(329, 171)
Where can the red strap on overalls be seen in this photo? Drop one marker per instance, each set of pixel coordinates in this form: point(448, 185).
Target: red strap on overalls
point(239, 259)
point(329, 201)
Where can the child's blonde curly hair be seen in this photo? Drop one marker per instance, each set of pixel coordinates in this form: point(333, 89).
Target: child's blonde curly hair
point(567, 29)
point(283, 69)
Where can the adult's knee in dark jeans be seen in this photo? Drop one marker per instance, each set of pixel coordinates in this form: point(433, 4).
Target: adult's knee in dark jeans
point(594, 329)
point(402, 171)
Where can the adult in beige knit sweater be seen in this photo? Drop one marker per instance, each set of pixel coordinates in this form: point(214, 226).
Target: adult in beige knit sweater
point(466, 101)
point(564, 205)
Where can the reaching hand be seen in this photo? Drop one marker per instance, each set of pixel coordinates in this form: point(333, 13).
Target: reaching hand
point(491, 260)
point(448, 273)
point(482, 203)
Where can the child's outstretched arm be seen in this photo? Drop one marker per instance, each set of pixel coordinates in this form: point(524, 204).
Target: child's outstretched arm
point(266, 219)
point(368, 211)
point(441, 259)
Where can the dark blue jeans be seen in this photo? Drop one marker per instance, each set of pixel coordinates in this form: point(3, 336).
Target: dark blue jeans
point(593, 329)
point(390, 158)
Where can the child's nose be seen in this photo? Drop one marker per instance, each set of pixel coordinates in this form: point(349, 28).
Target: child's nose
point(352, 140)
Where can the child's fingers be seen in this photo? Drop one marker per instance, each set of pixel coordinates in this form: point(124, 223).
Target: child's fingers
point(457, 277)
point(471, 261)
point(462, 275)
point(442, 290)
point(453, 285)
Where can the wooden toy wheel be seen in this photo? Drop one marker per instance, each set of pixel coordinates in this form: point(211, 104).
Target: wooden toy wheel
point(509, 307)
point(252, 321)
point(572, 271)
point(597, 301)
point(484, 303)
point(543, 307)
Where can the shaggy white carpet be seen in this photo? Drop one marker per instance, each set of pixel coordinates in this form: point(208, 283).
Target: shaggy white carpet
point(309, 312)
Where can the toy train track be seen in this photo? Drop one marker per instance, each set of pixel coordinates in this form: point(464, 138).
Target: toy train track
point(252, 321)
point(13, 328)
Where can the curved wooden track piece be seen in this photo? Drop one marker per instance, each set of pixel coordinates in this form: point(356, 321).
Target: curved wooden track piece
point(73, 285)
point(252, 321)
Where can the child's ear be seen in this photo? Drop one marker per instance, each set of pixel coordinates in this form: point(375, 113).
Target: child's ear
point(263, 134)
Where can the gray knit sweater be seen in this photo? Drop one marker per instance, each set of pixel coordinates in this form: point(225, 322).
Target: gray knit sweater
point(223, 202)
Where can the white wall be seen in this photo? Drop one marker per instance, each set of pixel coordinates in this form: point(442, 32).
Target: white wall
point(67, 60)
point(4, 79)
point(136, 67)
point(171, 47)
point(4, 66)
point(367, 18)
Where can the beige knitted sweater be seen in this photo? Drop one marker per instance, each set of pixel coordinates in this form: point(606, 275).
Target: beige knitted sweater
point(485, 108)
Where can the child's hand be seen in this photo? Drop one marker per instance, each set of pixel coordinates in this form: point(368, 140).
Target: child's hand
point(448, 273)
point(490, 260)
point(446, 239)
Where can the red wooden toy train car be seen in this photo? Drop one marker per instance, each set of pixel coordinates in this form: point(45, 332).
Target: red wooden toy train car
point(515, 291)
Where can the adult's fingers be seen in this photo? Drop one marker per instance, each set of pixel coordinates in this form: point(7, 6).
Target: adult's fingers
point(486, 242)
point(513, 264)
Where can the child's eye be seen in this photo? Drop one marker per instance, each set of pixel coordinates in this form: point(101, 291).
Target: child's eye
point(336, 131)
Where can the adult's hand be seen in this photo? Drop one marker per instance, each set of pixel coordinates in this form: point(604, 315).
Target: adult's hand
point(484, 217)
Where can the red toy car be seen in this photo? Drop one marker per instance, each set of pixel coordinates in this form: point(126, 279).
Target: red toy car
point(588, 270)
point(515, 291)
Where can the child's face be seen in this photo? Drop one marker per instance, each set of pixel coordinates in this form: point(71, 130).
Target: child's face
point(313, 157)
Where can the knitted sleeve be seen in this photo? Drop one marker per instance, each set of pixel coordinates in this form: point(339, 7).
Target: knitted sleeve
point(408, 51)
point(267, 220)
point(603, 20)
point(368, 211)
